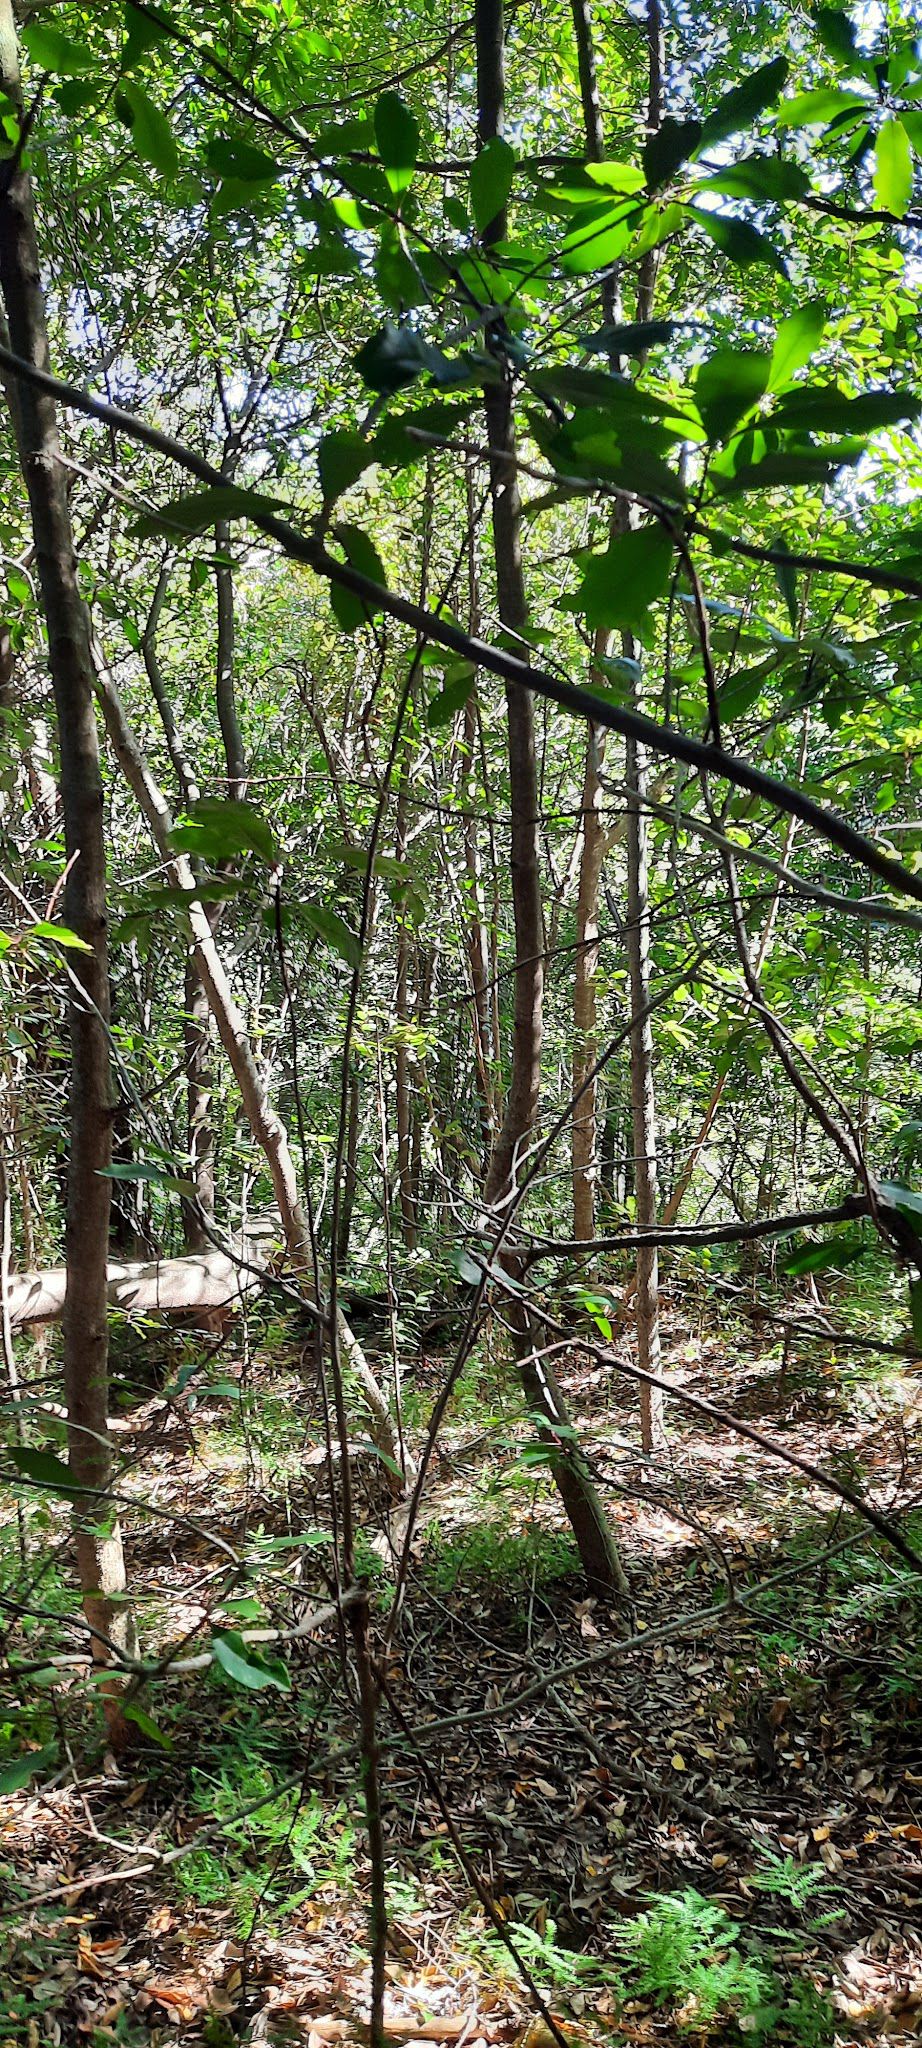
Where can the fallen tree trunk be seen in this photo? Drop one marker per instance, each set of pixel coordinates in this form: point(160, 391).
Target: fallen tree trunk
point(203, 1280)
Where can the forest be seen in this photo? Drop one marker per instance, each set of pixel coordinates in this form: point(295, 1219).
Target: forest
point(460, 1103)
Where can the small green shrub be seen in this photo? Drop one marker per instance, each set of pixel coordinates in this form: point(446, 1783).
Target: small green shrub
point(492, 1555)
point(684, 1952)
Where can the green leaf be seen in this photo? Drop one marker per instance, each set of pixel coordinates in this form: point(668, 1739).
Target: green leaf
point(335, 932)
point(727, 387)
point(341, 458)
point(17, 1774)
point(150, 130)
point(245, 1666)
point(786, 580)
point(51, 51)
point(620, 585)
point(817, 108)
point(392, 358)
point(629, 337)
point(743, 103)
point(350, 610)
point(61, 934)
point(744, 690)
point(901, 1198)
point(241, 161)
point(451, 699)
point(836, 33)
point(145, 1170)
point(491, 181)
point(198, 511)
point(796, 342)
point(397, 139)
point(598, 239)
point(787, 470)
point(740, 242)
point(893, 168)
point(760, 178)
point(141, 33)
point(816, 1258)
point(47, 1471)
point(148, 1727)
point(219, 828)
point(823, 408)
point(671, 146)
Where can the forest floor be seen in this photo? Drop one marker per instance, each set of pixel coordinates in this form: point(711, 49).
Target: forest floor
point(756, 1773)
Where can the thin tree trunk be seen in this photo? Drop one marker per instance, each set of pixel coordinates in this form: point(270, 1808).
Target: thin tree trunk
point(643, 1089)
point(196, 1036)
point(594, 1539)
point(265, 1124)
point(100, 1560)
point(715, 1098)
point(585, 1136)
point(402, 1093)
point(350, 1167)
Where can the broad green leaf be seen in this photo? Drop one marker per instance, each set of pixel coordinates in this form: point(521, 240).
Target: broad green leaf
point(740, 242)
point(61, 935)
point(241, 161)
point(198, 511)
point(796, 342)
point(743, 103)
point(392, 358)
point(133, 1712)
point(599, 240)
point(786, 579)
point(335, 932)
point(52, 51)
point(451, 699)
point(744, 690)
point(817, 1258)
point(491, 181)
point(350, 610)
point(141, 33)
point(837, 34)
point(144, 1170)
point(727, 387)
point(787, 470)
point(341, 458)
point(759, 177)
point(823, 408)
point(671, 146)
point(901, 1198)
point(629, 338)
point(15, 1775)
point(45, 1469)
point(397, 139)
point(220, 828)
point(620, 585)
point(615, 177)
point(18, 586)
point(244, 1665)
point(151, 133)
point(817, 108)
point(893, 168)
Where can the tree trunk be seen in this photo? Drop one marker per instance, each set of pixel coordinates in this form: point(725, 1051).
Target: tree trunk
point(265, 1124)
point(643, 1092)
point(100, 1559)
point(643, 1098)
point(593, 1537)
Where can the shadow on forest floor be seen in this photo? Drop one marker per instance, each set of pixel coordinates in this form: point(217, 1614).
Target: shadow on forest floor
point(771, 1762)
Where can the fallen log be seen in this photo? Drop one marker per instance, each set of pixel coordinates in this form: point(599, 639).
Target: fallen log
point(201, 1280)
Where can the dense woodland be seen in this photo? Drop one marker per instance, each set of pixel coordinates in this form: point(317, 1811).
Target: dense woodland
point(460, 1111)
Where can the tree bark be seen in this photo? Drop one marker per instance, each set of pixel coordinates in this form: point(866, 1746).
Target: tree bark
point(594, 1539)
point(265, 1124)
point(100, 1558)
